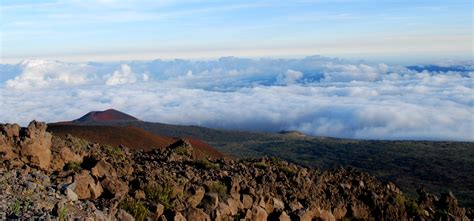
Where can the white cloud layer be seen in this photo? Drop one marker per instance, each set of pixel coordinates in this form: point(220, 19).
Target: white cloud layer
point(38, 73)
point(122, 76)
point(316, 95)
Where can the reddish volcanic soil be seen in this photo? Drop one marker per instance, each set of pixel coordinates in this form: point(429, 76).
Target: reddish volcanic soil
point(107, 115)
point(131, 137)
point(204, 150)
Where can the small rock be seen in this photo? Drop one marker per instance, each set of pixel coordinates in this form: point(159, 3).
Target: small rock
point(71, 195)
point(102, 169)
point(194, 214)
point(198, 195)
point(158, 210)
point(278, 204)
point(122, 215)
point(234, 206)
point(115, 187)
point(284, 217)
point(247, 201)
point(327, 216)
point(259, 214)
point(179, 217)
point(210, 201)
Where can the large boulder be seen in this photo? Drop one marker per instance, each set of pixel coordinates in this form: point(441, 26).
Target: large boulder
point(197, 194)
point(103, 169)
point(9, 133)
point(115, 187)
point(36, 145)
point(85, 186)
point(63, 156)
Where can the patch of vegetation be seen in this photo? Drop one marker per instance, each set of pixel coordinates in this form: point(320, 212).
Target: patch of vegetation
point(63, 214)
point(206, 164)
point(7, 176)
point(26, 205)
point(181, 151)
point(73, 165)
point(281, 165)
point(261, 165)
point(135, 208)
point(22, 204)
point(159, 193)
point(219, 188)
point(115, 152)
point(239, 216)
point(286, 169)
point(400, 200)
point(15, 207)
point(412, 208)
point(77, 142)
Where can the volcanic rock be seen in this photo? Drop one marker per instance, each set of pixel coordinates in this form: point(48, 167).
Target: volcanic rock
point(36, 145)
point(113, 182)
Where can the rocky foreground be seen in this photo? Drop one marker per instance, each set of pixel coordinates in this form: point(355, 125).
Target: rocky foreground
point(51, 178)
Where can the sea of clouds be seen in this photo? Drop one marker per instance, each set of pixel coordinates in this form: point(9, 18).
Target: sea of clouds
point(316, 95)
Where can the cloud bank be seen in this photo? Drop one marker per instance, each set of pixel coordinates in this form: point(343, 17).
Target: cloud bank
point(316, 95)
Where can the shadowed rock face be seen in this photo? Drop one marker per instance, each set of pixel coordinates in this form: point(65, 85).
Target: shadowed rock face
point(88, 180)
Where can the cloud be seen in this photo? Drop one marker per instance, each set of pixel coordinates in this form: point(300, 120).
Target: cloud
point(316, 95)
point(290, 77)
point(36, 73)
point(123, 76)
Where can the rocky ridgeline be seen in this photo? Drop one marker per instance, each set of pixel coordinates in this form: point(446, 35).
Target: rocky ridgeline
point(49, 178)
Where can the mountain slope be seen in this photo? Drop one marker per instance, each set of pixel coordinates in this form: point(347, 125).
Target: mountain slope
point(439, 166)
point(129, 136)
point(107, 115)
point(68, 179)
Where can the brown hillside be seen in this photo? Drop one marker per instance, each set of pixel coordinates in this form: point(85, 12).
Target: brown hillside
point(204, 149)
point(131, 137)
point(107, 115)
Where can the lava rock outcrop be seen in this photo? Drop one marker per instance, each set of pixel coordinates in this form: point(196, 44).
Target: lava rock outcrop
point(47, 177)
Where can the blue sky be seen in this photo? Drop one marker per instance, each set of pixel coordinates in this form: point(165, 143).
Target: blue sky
point(107, 30)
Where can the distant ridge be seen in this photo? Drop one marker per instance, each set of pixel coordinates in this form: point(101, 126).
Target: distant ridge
point(293, 133)
point(107, 115)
